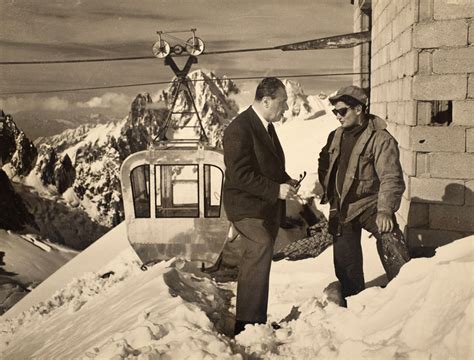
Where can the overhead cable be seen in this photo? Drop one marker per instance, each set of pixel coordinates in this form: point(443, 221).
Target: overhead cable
point(170, 82)
point(332, 42)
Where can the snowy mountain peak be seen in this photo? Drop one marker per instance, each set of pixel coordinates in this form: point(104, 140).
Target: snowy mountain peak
point(211, 97)
point(302, 106)
point(16, 149)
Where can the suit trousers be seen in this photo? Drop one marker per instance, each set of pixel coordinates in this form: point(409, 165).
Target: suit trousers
point(254, 271)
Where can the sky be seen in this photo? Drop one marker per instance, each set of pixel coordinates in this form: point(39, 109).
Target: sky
point(86, 29)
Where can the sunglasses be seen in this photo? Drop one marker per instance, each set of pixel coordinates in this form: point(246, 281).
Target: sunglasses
point(341, 111)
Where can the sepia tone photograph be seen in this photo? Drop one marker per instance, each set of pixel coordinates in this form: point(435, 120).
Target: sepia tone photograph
point(236, 179)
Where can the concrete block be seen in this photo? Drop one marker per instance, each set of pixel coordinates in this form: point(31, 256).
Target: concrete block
point(394, 50)
point(376, 78)
point(410, 114)
point(451, 165)
point(394, 91)
point(395, 112)
point(470, 93)
point(425, 62)
point(386, 34)
point(407, 180)
point(425, 10)
point(375, 61)
point(386, 74)
point(436, 34)
point(451, 61)
point(376, 44)
point(406, 41)
point(379, 109)
point(443, 191)
point(422, 165)
point(438, 138)
point(398, 90)
point(406, 90)
point(424, 112)
point(469, 195)
point(413, 213)
point(470, 140)
point(450, 217)
point(404, 20)
point(403, 136)
point(471, 33)
point(374, 93)
point(395, 69)
point(385, 55)
point(409, 63)
point(408, 161)
point(453, 9)
point(402, 223)
point(463, 113)
point(420, 237)
point(392, 10)
point(440, 87)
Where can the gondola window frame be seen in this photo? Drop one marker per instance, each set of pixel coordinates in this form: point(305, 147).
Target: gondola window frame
point(165, 207)
point(209, 210)
point(144, 190)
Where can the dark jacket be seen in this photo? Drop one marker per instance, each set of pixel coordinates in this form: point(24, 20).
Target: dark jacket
point(374, 174)
point(255, 168)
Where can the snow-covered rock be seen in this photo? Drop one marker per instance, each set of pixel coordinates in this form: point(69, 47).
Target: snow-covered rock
point(14, 215)
point(212, 97)
point(300, 105)
point(16, 150)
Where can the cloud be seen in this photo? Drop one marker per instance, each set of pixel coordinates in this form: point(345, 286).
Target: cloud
point(56, 104)
point(107, 101)
point(115, 102)
point(15, 104)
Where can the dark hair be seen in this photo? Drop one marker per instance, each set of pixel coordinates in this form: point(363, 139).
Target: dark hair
point(268, 87)
point(351, 102)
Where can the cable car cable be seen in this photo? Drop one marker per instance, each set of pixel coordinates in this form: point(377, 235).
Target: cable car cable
point(170, 82)
point(333, 42)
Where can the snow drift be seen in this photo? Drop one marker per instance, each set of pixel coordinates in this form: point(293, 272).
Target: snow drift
point(173, 311)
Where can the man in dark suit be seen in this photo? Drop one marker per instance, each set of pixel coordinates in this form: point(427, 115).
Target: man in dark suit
point(256, 186)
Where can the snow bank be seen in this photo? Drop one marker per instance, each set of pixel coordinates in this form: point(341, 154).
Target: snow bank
point(424, 313)
point(173, 311)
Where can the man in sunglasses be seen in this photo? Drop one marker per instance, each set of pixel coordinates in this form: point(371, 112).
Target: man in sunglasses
point(360, 171)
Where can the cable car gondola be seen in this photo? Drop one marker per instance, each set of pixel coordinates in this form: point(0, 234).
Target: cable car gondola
point(172, 192)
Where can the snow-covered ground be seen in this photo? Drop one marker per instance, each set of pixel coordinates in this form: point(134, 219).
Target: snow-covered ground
point(173, 311)
point(101, 305)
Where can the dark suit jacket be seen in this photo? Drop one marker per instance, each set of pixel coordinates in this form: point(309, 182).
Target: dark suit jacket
point(255, 168)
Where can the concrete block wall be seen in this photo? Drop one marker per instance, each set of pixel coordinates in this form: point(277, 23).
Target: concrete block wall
point(422, 52)
point(361, 58)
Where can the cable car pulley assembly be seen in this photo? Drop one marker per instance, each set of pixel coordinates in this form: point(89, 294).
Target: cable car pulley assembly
point(162, 49)
point(193, 46)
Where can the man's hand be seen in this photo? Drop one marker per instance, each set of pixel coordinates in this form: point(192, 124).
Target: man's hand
point(287, 191)
point(295, 183)
point(384, 222)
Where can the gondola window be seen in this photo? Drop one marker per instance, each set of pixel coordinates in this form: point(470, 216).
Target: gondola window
point(213, 178)
point(140, 179)
point(177, 191)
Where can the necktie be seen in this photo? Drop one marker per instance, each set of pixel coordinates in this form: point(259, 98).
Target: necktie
point(273, 136)
point(271, 131)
